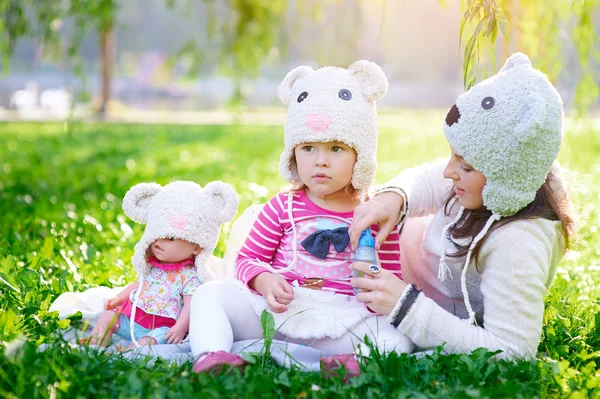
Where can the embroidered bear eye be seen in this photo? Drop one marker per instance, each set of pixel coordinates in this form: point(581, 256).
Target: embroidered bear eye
point(488, 102)
point(345, 94)
point(302, 96)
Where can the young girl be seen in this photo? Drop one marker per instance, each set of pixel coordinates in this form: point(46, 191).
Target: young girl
point(502, 220)
point(183, 222)
point(295, 261)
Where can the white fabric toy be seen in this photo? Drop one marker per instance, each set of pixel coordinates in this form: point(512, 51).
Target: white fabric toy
point(181, 209)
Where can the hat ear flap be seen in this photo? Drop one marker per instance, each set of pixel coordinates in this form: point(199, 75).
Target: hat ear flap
point(285, 88)
point(138, 200)
point(224, 200)
point(373, 82)
point(533, 118)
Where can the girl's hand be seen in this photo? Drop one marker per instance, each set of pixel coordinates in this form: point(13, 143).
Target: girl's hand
point(381, 291)
point(176, 334)
point(275, 289)
point(383, 210)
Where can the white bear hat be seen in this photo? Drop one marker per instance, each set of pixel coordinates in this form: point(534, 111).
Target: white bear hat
point(333, 104)
point(509, 127)
point(181, 209)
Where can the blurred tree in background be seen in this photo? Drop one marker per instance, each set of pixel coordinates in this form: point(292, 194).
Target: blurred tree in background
point(243, 34)
point(245, 31)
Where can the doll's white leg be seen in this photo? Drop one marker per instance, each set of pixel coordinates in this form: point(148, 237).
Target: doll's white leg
point(221, 313)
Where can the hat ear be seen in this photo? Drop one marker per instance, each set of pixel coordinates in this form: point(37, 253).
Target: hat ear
point(224, 200)
point(373, 82)
point(138, 199)
point(532, 119)
point(515, 60)
point(285, 88)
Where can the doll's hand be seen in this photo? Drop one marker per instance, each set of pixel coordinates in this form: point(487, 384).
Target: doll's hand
point(113, 303)
point(275, 289)
point(176, 334)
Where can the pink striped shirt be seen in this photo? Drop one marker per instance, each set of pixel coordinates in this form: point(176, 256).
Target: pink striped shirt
point(270, 241)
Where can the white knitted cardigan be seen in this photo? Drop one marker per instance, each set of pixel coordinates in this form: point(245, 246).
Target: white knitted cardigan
point(518, 262)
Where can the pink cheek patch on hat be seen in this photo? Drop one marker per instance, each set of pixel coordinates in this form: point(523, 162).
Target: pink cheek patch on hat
point(178, 222)
point(318, 123)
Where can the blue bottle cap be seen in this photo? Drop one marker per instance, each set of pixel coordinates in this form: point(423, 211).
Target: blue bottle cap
point(366, 239)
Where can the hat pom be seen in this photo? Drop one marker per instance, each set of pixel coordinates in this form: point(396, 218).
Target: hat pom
point(284, 91)
point(138, 199)
point(372, 80)
point(515, 60)
point(224, 200)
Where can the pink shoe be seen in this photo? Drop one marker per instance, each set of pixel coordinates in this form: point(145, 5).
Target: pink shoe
point(330, 365)
point(214, 362)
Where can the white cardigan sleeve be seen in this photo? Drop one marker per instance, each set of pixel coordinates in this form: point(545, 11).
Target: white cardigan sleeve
point(425, 187)
point(517, 260)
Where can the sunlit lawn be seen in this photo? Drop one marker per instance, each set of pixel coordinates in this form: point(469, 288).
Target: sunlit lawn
point(62, 229)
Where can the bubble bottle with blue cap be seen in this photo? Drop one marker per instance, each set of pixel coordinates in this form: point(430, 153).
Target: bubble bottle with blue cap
point(365, 252)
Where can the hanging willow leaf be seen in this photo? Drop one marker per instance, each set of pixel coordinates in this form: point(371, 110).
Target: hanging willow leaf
point(494, 35)
point(469, 56)
point(462, 26)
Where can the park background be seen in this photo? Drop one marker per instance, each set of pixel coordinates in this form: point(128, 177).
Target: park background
point(99, 96)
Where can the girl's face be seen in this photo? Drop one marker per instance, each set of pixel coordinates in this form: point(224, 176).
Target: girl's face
point(173, 250)
point(468, 183)
point(325, 168)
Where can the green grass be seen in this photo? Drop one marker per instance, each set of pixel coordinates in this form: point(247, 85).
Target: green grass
point(62, 229)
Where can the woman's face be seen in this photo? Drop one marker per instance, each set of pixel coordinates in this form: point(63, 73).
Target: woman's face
point(468, 183)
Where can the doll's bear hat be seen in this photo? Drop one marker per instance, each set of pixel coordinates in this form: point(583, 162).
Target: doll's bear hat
point(333, 104)
point(181, 209)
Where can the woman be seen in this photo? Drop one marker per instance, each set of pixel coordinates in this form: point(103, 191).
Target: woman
point(501, 222)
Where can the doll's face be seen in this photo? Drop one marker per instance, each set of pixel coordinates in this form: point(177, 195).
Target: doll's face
point(173, 250)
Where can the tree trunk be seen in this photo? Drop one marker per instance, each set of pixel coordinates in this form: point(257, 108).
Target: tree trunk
point(107, 44)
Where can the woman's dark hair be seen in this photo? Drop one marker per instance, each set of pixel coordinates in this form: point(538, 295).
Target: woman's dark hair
point(551, 202)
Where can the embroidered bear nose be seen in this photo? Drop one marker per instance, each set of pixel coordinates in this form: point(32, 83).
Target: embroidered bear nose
point(178, 222)
point(453, 116)
point(318, 123)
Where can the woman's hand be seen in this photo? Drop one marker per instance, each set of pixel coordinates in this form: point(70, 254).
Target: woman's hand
point(275, 289)
point(381, 291)
point(383, 210)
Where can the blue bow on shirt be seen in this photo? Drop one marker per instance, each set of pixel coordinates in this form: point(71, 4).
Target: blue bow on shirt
point(317, 244)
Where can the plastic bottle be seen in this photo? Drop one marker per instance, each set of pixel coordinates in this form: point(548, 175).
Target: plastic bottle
point(365, 252)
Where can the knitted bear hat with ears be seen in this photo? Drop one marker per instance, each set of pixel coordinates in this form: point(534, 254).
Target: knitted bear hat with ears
point(509, 127)
point(181, 209)
point(333, 104)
